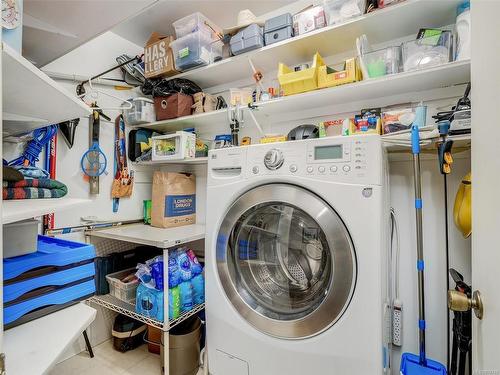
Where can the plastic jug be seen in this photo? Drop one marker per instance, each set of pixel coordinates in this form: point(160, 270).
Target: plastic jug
point(463, 31)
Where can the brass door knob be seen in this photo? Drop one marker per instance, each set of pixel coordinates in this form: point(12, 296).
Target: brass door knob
point(458, 301)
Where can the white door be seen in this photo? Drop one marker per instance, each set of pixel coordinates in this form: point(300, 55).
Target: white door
point(486, 182)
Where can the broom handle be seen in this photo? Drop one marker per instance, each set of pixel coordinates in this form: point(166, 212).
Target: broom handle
point(420, 247)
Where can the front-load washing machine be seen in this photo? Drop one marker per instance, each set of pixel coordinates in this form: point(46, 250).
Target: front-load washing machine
point(296, 258)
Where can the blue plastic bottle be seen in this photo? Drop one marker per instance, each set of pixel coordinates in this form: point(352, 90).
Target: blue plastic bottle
point(198, 283)
point(186, 289)
point(184, 265)
point(174, 273)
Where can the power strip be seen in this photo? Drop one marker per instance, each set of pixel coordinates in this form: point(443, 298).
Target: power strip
point(397, 323)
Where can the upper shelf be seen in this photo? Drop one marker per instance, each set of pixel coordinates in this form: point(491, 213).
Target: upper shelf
point(381, 26)
point(21, 209)
point(31, 99)
point(380, 92)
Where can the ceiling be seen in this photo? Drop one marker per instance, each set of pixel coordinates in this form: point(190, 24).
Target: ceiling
point(159, 17)
point(52, 28)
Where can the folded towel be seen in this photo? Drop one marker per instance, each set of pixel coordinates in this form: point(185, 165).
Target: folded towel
point(34, 189)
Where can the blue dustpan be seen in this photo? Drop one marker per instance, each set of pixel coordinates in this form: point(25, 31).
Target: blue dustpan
point(410, 365)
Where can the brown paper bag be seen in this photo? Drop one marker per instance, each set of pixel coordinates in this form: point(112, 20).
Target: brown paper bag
point(174, 199)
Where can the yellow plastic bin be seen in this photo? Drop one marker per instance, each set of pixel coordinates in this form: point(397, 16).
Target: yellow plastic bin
point(329, 77)
point(296, 82)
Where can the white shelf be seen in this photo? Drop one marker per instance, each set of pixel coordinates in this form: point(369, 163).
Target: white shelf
point(34, 347)
point(460, 143)
point(194, 121)
point(195, 161)
point(31, 99)
point(162, 238)
point(21, 209)
point(374, 90)
point(112, 303)
point(388, 90)
point(381, 26)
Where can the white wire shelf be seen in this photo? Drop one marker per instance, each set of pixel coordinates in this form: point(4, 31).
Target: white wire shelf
point(162, 238)
point(112, 303)
point(460, 143)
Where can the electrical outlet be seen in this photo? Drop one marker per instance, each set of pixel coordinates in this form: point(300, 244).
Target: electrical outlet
point(397, 323)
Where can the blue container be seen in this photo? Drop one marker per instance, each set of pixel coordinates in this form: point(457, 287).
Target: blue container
point(50, 252)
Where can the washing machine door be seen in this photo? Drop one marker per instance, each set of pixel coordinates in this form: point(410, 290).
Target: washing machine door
point(286, 261)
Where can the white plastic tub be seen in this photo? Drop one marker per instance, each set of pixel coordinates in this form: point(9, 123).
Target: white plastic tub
point(123, 291)
point(193, 23)
point(142, 112)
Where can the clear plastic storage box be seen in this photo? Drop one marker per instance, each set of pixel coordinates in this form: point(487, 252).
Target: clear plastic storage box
point(193, 23)
point(381, 62)
point(142, 112)
point(195, 49)
point(427, 52)
point(338, 11)
point(121, 290)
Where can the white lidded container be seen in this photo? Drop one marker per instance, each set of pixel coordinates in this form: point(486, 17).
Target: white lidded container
point(176, 146)
point(20, 238)
point(196, 22)
point(142, 111)
point(338, 11)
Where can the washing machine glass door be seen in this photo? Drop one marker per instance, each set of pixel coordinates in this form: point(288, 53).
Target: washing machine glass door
point(286, 261)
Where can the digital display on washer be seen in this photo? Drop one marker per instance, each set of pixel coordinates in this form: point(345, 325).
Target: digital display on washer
point(328, 152)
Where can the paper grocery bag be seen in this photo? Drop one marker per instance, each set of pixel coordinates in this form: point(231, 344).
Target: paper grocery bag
point(174, 199)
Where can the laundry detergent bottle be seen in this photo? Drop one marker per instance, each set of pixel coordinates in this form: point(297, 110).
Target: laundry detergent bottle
point(463, 31)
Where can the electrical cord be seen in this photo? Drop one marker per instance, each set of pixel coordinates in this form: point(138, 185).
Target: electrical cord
point(447, 248)
point(34, 147)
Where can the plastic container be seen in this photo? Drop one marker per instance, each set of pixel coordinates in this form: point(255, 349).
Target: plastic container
point(338, 11)
point(177, 146)
point(250, 38)
point(293, 82)
point(427, 52)
point(463, 31)
point(123, 291)
point(195, 49)
point(382, 62)
point(142, 112)
point(328, 77)
point(243, 96)
point(278, 28)
point(127, 333)
point(20, 238)
point(193, 23)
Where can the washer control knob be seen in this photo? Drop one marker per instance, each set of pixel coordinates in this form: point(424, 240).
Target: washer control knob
point(321, 169)
point(293, 168)
point(310, 169)
point(255, 170)
point(346, 168)
point(274, 159)
point(333, 168)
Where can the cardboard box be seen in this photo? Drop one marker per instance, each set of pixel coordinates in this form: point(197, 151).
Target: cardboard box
point(158, 57)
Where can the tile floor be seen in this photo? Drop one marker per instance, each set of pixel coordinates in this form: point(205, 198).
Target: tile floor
point(108, 361)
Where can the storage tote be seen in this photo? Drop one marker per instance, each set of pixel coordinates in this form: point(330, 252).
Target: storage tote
point(248, 39)
point(278, 28)
point(328, 77)
point(196, 22)
point(381, 62)
point(302, 81)
point(142, 111)
point(20, 238)
point(173, 106)
point(195, 49)
point(427, 52)
point(124, 291)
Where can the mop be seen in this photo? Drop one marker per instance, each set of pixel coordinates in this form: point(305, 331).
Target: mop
point(412, 364)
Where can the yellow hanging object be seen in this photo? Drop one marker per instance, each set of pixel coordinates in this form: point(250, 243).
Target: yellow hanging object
point(462, 211)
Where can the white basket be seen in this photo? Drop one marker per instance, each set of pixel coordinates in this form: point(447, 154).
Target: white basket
point(123, 291)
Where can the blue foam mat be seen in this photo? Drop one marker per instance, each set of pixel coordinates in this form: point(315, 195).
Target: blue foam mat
point(410, 365)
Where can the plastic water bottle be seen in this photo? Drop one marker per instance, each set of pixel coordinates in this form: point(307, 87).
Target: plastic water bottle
point(186, 292)
point(198, 289)
point(184, 265)
point(463, 31)
point(174, 273)
point(196, 267)
point(174, 303)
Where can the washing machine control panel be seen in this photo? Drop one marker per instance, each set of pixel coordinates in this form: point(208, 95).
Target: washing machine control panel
point(345, 159)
